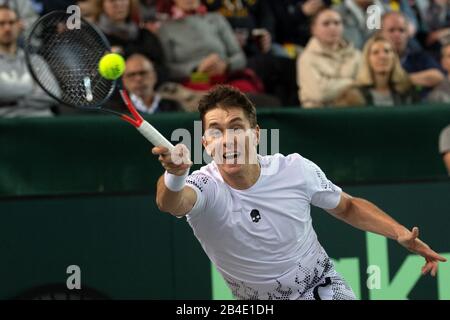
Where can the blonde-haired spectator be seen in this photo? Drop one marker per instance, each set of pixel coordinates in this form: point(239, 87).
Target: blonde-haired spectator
point(381, 80)
point(328, 64)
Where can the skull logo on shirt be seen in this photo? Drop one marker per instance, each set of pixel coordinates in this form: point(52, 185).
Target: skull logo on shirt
point(255, 215)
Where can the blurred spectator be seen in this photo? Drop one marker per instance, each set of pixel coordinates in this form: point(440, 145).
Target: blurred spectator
point(127, 37)
point(428, 22)
point(253, 25)
point(90, 9)
point(292, 19)
point(329, 63)
point(412, 10)
point(444, 147)
point(19, 94)
point(202, 49)
point(148, 9)
point(442, 92)
point(42, 7)
point(381, 80)
point(437, 20)
point(24, 11)
point(423, 70)
point(150, 16)
point(252, 22)
point(354, 15)
point(140, 79)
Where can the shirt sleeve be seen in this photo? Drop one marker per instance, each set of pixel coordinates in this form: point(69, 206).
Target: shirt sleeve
point(206, 189)
point(444, 140)
point(322, 192)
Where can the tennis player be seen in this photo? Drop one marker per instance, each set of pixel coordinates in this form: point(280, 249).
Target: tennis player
point(251, 213)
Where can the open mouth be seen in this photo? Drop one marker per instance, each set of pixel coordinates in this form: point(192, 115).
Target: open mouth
point(231, 155)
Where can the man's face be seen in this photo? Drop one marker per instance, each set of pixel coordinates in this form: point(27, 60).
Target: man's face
point(445, 59)
point(139, 77)
point(9, 27)
point(395, 29)
point(230, 140)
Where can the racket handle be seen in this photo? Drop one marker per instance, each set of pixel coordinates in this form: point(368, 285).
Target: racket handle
point(153, 135)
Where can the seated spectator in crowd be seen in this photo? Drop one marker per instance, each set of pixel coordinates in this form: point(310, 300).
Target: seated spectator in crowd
point(42, 7)
point(444, 147)
point(423, 70)
point(328, 65)
point(253, 25)
point(381, 80)
point(20, 95)
point(125, 35)
point(24, 10)
point(293, 19)
point(412, 10)
point(437, 21)
point(252, 22)
point(140, 79)
point(90, 9)
point(202, 49)
point(355, 16)
point(150, 15)
point(442, 92)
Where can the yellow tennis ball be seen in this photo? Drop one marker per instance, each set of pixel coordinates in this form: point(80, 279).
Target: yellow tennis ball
point(111, 66)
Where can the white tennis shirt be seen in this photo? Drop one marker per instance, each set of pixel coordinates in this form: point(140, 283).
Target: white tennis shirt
point(260, 234)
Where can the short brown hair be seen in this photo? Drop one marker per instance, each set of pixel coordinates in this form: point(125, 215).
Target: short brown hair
point(316, 16)
point(7, 7)
point(225, 96)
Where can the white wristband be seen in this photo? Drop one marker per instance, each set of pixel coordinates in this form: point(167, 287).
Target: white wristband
point(173, 182)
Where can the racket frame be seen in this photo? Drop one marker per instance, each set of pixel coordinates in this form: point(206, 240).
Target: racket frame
point(146, 129)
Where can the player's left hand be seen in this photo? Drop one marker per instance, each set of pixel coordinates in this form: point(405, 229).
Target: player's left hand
point(410, 240)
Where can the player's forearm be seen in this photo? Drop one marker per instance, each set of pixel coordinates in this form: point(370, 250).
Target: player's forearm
point(167, 200)
point(364, 215)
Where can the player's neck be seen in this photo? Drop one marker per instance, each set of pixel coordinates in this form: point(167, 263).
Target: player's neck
point(246, 179)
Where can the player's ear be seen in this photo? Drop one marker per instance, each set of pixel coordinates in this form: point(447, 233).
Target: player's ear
point(205, 144)
point(256, 133)
point(21, 25)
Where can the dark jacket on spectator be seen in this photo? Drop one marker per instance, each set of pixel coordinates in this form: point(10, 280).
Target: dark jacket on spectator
point(133, 39)
point(291, 24)
point(251, 15)
point(363, 96)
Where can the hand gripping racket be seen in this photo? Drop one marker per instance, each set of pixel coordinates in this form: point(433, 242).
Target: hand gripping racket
point(63, 59)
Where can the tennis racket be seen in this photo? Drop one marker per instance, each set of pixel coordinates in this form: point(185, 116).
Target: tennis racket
point(63, 60)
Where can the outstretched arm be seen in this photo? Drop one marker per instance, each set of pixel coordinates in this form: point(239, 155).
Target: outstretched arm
point(364, 215)
point(178, 202)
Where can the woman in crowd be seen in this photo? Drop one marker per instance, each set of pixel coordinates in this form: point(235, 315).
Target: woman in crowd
point(119, 20)
point(328, 64)
point(381, 80)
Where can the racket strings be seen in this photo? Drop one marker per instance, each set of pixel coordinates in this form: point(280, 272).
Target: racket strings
point(65, 61)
